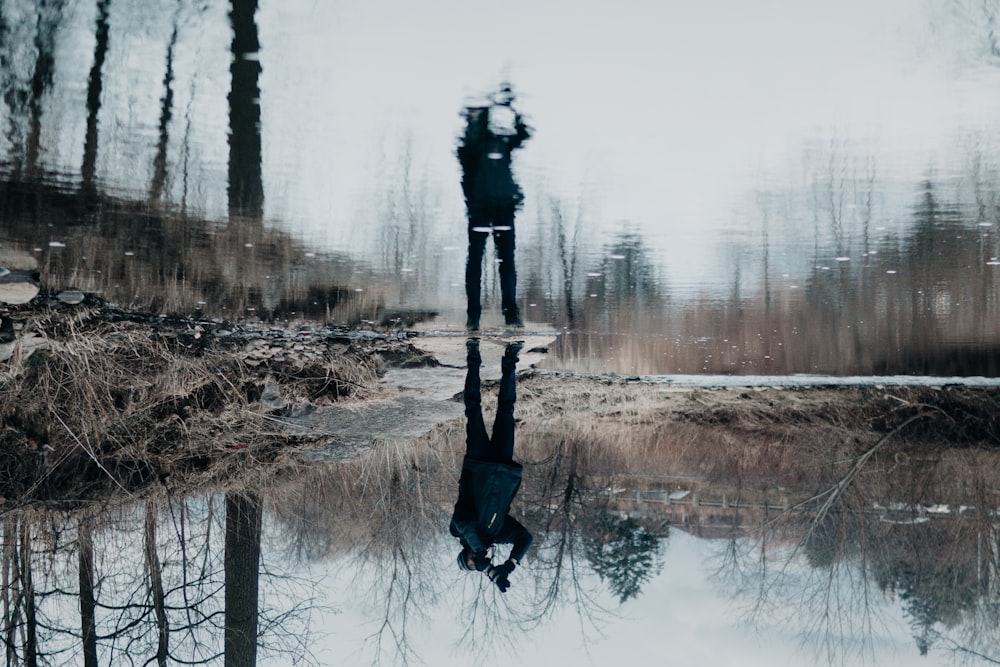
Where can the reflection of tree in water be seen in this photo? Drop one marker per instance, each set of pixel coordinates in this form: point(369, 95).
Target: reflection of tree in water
point(929, 598)
point(377, 515)
point(891, 276)
point(379, 520)
point(384, 516)
point(88, 170)
point(626, 555)
point(147, 585)
point(833, 564)
point(246, 186)
point(23, 96)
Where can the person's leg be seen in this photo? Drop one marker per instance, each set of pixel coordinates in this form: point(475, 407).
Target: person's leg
point(474, 266)
point(476, 440)
point(503, 239)
point(503, 426)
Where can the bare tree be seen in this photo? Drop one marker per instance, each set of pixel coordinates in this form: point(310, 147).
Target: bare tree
point(246, 186)
point(243, 526)
point(95, 84)
point(166, 114)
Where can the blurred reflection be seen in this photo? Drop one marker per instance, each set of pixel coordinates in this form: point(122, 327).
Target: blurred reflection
point(829, 539)
point(246, 187)
point(242, 565)
point(492, 196)
point(88, 170)
point(164, 262)
point(847, 294)
point(124, 175)
point(490, 477)
point(155, 583)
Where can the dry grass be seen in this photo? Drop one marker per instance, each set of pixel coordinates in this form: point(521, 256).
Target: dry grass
point(120, 408)
point(110, 409)
point(578, 438)
point(746, 441)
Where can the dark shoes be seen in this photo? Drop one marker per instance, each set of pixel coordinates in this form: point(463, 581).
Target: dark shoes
point(512, 350)
point(513, 319)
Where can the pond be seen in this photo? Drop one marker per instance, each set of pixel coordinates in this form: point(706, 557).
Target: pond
point(755, 551)
point(780, 192)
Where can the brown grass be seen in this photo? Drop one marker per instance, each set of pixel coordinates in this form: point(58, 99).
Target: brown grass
point(114, 408)
point(119, 408)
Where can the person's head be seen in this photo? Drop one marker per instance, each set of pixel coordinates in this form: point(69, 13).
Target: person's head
point(504, 96)
point(465, 562)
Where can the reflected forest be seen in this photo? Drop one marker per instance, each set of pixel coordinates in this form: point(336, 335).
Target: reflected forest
point(892, 276)
point(223, 442)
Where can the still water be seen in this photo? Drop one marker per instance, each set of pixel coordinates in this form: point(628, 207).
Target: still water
point(351, 565)
point(745, 188)
point(769, 189)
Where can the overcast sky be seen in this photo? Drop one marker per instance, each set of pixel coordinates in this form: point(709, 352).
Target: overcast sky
point(663, 115)
point(666, 117)
point(684, 616)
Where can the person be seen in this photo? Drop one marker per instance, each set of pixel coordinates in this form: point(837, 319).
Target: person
point(490, 477)
point(491, 197)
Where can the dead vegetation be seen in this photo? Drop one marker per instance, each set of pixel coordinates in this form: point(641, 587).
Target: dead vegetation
point(112, 407)
point(750, 441)
point(105, 409)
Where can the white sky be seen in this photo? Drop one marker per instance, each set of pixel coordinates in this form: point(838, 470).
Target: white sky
point(681, 617)
point(662, 114)
point(667, 116)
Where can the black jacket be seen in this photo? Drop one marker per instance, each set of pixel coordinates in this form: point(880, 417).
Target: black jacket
point(487, 179)
point(482, 512)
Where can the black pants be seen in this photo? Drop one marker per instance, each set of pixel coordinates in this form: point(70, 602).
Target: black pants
point(498, 222)
point(500, 446)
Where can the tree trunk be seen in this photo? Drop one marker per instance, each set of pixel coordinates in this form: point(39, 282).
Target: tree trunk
point(89, 170)
point(242, 562)
point(87, 601)
point(246, 188)
point(156, 587)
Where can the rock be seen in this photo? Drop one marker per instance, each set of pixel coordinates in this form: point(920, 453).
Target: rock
point(17, 293)
point(25, 346)
point(270, 398)
point(17, 286)
point(71, 297)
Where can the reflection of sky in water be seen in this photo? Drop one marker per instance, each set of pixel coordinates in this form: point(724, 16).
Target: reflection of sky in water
point(669, 123)
point(673, 125)
point(683, 616)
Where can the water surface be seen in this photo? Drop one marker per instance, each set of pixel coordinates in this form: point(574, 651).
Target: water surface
point(758, 190)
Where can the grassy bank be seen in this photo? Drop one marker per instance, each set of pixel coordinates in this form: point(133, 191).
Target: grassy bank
point(101, 409)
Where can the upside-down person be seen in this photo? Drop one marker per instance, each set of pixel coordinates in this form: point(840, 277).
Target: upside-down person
point(490, 477)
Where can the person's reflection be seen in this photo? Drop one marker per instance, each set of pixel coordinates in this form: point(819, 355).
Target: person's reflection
point(490, 477)
point(491, 197)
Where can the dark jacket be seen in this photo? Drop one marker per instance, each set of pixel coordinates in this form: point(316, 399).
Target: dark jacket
point(487, 179)
point(482, 512)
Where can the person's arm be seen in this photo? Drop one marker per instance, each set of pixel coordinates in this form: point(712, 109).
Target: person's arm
point(520, 537)
point(523, 132)
point(517, 534)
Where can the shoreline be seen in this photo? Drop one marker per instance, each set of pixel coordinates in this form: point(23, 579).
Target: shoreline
point(109, 406)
